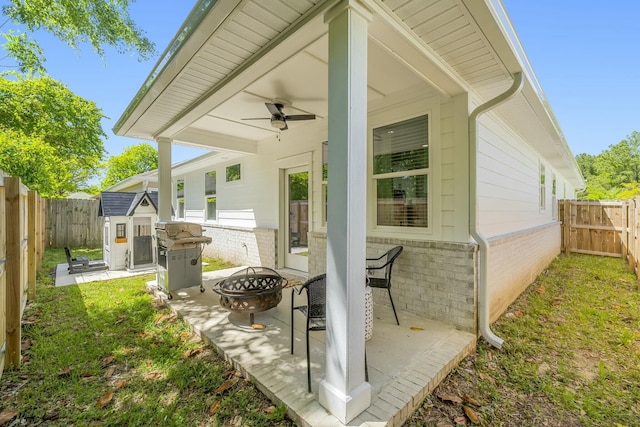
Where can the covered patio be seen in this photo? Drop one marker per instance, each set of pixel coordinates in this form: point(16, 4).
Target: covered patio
point(405, 362)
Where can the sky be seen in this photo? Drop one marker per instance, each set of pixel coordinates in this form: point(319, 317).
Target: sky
point(585, 53)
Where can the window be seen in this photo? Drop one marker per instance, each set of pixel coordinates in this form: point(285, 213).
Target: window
point(401, 173)
point(210, 195)
point(543, 193)
point(233, 173)
point(180, 196)
point(554, 200)
point(325, 174)
point(121, 231)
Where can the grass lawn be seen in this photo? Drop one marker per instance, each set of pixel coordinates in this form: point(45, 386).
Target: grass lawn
point(571, 355)
point(108, 353)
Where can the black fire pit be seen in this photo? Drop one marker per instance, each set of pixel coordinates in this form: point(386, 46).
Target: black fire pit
point(251, 290)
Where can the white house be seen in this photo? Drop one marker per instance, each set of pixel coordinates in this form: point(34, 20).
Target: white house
point(129, 229)
point(431, 131)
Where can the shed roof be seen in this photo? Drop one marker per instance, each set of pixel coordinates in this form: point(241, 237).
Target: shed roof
point(113, 203)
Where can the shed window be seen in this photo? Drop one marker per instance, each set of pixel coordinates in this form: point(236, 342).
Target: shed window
point(210, 195)
point(121, 231)
point(233, 173)
point(401, 173)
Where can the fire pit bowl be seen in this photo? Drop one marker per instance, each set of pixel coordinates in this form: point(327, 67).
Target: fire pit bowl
point(251, 290)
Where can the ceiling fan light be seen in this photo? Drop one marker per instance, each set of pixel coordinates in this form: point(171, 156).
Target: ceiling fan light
point(278, 123)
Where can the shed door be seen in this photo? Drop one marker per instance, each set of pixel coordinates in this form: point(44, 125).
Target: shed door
point(142, 245)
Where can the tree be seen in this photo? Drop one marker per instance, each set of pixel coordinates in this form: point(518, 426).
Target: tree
point(97, 22)
point(614, 173)
point(45, 127)
point(134, 159)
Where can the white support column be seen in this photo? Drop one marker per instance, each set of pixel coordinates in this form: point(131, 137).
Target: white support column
point(344, 391)
point(164, 179)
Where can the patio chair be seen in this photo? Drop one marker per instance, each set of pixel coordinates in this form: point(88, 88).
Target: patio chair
point(315, 312)
point(383, 264)
point(82, 264)
point(75, 262)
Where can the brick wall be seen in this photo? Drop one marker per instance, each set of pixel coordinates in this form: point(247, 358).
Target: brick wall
point(242, 246)
point(436, 280)
point(516, 259)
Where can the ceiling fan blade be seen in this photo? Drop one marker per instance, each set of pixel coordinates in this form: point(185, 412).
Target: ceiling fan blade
point(274, 109)
point(258, 118)
point(301, 117)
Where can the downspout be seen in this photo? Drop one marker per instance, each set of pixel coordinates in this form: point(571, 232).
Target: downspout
point(483, 286)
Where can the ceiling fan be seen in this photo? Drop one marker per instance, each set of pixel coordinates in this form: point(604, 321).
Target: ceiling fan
point(278, 118)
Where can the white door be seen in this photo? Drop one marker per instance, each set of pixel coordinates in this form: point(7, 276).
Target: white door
point(296, 218)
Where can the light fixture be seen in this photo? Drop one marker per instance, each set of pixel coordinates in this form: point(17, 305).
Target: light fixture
point(278, 123)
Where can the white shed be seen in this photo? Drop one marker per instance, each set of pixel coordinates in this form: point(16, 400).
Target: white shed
point(129, 220)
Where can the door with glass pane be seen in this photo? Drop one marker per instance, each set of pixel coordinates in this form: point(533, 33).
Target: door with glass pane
point(296, 208)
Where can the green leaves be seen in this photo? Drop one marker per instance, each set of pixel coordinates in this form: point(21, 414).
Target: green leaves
point(97, 22)
point(49, 136)
point(133, 160)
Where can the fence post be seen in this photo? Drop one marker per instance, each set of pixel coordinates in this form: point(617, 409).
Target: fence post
point(14, 288)
point(566, 220)
point(31, 245)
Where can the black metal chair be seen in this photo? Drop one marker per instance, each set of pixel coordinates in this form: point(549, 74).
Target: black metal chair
point(315, 312)
point(385, 265)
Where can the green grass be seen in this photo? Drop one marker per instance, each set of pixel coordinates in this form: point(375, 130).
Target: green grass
point(571, 355)
point(108, 353)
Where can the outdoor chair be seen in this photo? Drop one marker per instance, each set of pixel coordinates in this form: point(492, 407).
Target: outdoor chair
point(315, 312)
point(379, 272)
point(82, 264)
point(77, 261)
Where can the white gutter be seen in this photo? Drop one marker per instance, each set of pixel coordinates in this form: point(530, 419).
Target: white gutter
point(483, 286)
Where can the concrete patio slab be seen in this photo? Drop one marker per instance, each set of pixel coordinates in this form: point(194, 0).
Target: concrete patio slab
point(64, 278)
point(405, 362)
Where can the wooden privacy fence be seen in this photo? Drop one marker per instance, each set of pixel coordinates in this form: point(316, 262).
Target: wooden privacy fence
point(608, 228)
point(22, 218)
point(73, 223)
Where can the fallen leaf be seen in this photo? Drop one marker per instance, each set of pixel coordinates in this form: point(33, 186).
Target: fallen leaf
point(487, 377)
point(450, 398)
point(191, 352)
point(226, 385)
point(109, 371)
point(104, 400)
point(540, 290)
point(120, 384)
point(120, 319)
point(25, 345)
point(269, 409)
point(258, 326)
point(65, 372)
point(214, 408)
point(161, 318)
point(444, 424)
point(7, 415)
point(471, 414)
point(615, 307)
point(149, 363)
point(416, 328)
point(185, 335)
point(460, 421)
point(153, 375)
point(25, 359)
point(470, 399)
point(107, 361)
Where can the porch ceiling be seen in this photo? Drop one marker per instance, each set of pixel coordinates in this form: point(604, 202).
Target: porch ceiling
point(231, 57)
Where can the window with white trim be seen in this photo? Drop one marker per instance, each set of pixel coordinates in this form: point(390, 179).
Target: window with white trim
point(233, 173)
point(401, 173)
point(554, 198)
point(543, 193)
point(210, 198)
point(180, 199)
